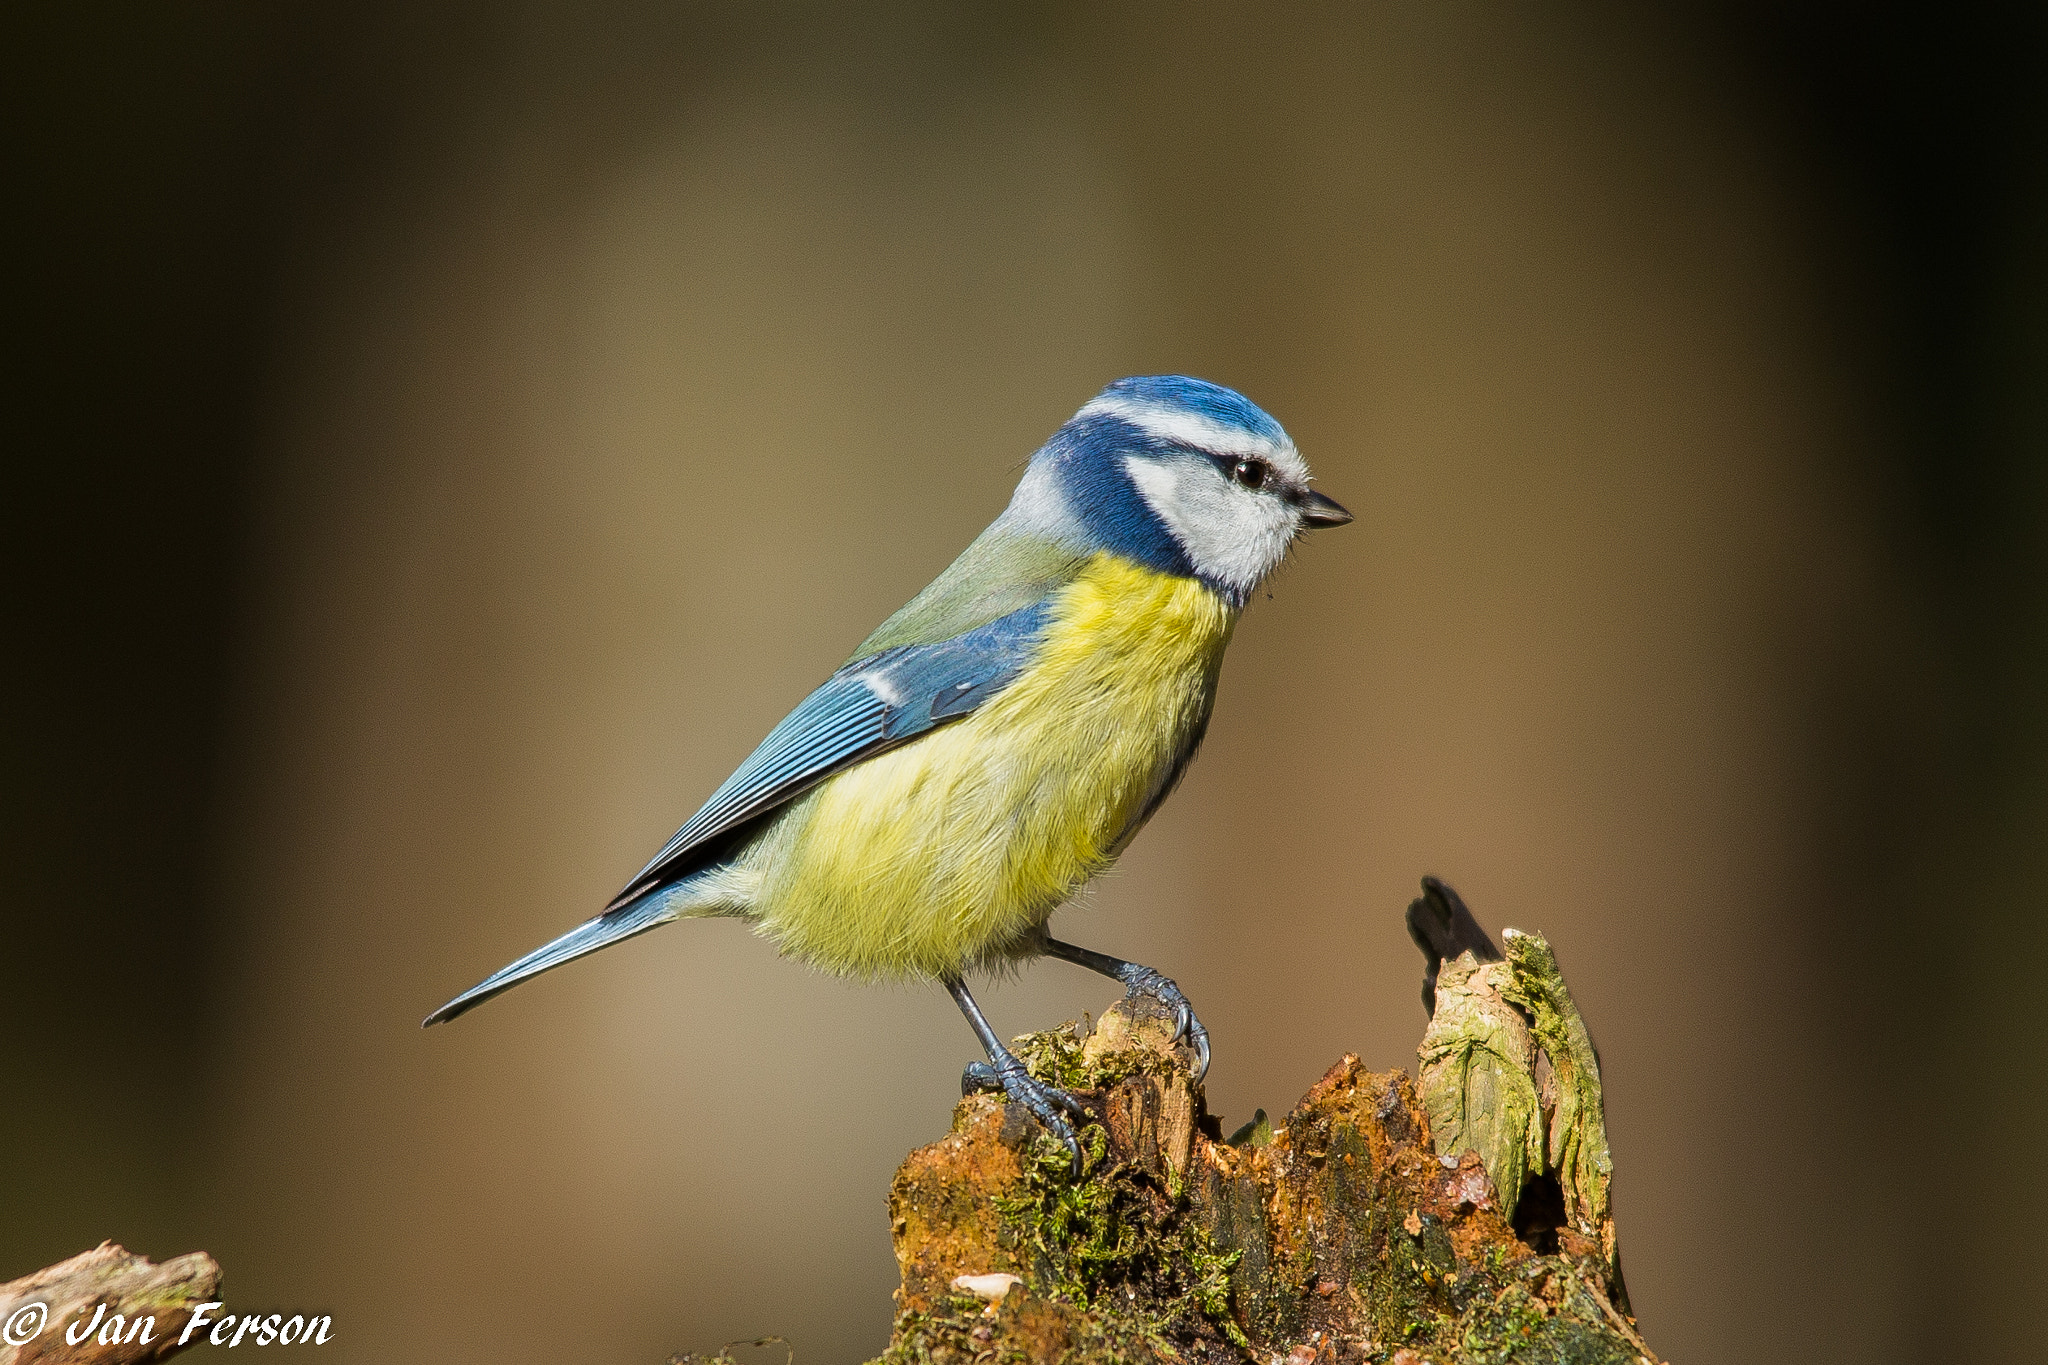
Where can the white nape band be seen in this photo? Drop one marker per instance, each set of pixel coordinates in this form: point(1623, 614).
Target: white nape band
point(1038, 507)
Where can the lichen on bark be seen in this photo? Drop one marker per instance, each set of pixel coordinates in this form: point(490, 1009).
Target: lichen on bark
point(1476, 1070)
point(1576, 1152)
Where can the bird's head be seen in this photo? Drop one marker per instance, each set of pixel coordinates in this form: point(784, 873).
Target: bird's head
point(1182, 476)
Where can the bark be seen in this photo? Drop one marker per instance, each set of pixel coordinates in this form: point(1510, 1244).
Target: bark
point(122, 1308)
point(1367, 1225)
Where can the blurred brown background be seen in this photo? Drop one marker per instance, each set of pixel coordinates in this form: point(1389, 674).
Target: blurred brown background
point(447, 438)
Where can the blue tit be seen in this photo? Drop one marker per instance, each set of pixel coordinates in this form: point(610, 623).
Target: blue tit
point(1001, 739)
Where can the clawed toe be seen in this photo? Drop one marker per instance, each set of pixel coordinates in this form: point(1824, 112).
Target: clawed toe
point(1186, 1027)
point(1199, 1036)
point(1002, 1071)
point(979, 1079)
point(1139, 979)
point(1049, 1104)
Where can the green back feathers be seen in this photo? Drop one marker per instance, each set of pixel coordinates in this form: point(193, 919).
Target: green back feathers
point(1001, 572)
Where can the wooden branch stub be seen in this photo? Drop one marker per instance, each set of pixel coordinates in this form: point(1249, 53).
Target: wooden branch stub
point(1577, 1152)
point(123, 1308)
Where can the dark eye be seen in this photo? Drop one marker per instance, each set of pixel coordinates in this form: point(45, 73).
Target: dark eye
point(1251, 473)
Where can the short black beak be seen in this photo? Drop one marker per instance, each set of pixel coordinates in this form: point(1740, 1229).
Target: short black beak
point(1318, 510)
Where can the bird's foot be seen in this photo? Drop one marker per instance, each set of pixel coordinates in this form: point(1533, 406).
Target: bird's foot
point(1048, 1104)
point(1186, 1027)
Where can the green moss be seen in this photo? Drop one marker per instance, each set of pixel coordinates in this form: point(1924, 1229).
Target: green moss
point(1120, 1238)
point(1116, 1238)
point(1060, 1057)
point(1517, 1326)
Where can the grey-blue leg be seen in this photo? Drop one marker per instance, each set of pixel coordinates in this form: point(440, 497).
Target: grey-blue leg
point(1139, 980)
point(1004, 1072)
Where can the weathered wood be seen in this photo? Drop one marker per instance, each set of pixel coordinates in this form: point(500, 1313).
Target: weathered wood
point(1476, 1072)
point(123, 1308)
point(1576, 1152)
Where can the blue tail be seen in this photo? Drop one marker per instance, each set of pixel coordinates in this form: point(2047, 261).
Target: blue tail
point(649, 912)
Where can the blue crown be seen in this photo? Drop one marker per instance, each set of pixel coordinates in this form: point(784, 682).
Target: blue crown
point(1226, 407)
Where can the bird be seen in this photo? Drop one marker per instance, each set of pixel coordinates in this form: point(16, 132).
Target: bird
point(1002, 737)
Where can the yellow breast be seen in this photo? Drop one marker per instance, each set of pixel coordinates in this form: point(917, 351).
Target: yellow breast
point(954, 849)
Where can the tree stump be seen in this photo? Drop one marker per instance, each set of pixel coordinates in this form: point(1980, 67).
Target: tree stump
point(1367, 1225)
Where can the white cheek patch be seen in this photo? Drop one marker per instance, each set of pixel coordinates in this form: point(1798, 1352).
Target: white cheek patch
point(1232, 534)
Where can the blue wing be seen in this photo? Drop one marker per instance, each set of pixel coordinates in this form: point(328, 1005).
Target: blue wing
point(877, 702)
point(869, 706)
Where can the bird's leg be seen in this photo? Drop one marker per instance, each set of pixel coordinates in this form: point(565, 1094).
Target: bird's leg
point(1140, 980)
point(1004, 1072)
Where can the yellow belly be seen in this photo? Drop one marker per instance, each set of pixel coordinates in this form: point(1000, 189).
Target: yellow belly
point(953, 850)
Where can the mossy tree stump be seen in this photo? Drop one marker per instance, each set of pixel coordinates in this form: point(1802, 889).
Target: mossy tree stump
point(1347, 1232)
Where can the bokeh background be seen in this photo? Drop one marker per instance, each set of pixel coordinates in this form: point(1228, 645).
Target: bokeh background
point(444, 439)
